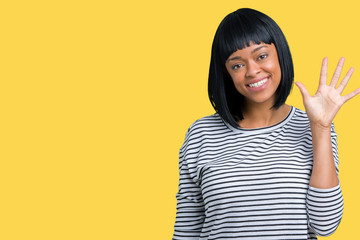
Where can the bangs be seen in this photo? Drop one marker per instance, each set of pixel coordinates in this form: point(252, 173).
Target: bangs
point(240, 31)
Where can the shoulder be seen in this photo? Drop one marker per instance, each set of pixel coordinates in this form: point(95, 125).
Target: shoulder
point(207, 123)
point(300, 114)
point(204, 127)
point(299, 119)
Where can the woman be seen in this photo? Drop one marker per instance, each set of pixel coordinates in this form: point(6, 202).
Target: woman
point(259, 168)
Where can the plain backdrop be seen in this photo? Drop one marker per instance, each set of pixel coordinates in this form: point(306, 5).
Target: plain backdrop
point(96, 98)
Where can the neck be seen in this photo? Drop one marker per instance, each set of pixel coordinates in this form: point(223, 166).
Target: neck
point(258, 115)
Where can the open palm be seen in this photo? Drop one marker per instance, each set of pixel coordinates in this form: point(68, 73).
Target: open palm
point(322, 107)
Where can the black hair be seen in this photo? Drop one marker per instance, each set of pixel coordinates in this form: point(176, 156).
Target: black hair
point(238, 30)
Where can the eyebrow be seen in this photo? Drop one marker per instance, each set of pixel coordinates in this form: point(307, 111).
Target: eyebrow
point(238, 57)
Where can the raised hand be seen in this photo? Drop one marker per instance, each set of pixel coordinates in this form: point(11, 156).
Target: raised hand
point(327, 101)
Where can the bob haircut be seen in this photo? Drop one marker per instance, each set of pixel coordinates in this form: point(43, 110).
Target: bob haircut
point(237, 31)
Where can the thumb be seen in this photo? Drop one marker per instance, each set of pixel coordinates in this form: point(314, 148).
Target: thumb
point(303, 90)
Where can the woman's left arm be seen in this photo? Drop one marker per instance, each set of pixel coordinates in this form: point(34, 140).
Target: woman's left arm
point(324, 202)
point(321, 110)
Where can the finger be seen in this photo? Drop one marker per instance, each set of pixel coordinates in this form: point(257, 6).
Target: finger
point(351, 95)
point(344, 82)
point(303, 90)
point(337, 73)
point(323, 72)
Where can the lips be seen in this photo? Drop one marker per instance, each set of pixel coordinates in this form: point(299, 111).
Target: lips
point(258, 82)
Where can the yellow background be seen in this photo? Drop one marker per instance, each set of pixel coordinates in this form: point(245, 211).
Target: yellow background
point(96, 98)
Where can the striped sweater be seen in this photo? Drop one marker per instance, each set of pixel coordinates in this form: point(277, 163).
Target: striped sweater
point(253, 183)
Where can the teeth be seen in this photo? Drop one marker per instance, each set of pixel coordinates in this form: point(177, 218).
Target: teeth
point(260, 83)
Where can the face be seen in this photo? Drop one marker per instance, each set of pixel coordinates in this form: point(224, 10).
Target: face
point(256, 73)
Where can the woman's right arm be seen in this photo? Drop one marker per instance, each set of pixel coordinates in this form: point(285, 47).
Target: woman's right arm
point(190, 206)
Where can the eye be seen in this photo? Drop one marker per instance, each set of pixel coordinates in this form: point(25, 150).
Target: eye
point(263, 56)
point(237, 66)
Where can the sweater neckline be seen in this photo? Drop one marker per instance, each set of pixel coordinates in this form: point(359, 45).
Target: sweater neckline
point(263, 129)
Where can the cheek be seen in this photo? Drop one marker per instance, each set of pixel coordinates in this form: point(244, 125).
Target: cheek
point(239, 84)
point(271, 66)
point(238, 81)
point(236, 77)
point(274, 68)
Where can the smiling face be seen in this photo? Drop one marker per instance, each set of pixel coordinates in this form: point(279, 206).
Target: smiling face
point(256, 73)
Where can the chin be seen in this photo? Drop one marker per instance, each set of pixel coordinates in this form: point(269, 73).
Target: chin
point(263, 100)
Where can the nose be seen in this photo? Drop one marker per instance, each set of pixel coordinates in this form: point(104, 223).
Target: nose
point(252, 69)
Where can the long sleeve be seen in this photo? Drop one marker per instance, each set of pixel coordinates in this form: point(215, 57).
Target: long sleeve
point(190, 206)
point(325, 206)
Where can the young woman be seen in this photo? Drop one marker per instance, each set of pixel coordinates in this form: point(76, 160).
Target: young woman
point(259, 168)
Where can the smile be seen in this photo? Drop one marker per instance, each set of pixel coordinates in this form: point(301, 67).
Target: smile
point(258, 84)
